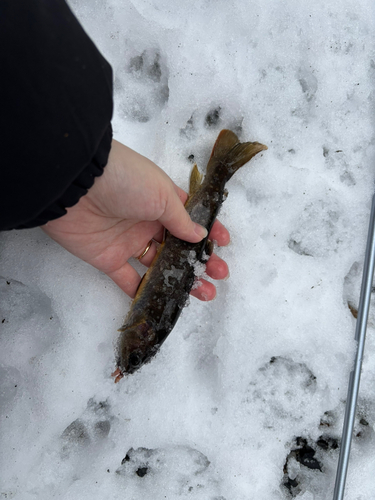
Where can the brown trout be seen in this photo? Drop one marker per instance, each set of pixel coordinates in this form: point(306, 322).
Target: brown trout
point(164, 289)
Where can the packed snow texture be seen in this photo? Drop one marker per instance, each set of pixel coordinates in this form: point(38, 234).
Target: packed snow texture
point(246, 398)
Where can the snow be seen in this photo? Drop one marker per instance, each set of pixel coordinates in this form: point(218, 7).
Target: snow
point(244, 380)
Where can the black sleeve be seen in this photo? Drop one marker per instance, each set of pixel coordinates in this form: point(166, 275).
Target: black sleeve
point(55, 111)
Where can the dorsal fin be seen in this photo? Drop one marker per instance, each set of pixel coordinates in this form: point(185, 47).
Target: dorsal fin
point(195, 180)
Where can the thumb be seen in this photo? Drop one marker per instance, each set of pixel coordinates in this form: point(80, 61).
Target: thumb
point(178, 222)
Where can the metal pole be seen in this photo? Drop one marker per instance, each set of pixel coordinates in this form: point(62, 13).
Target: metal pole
point(355, 375)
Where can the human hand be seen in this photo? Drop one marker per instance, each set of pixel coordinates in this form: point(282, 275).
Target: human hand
point(130, 204)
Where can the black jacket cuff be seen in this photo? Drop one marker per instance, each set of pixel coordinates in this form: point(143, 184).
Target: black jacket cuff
point(78, 188)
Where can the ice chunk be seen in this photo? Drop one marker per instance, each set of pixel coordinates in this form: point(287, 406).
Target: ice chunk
point(171, 275)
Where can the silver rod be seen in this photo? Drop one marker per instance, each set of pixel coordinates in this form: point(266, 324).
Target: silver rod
point(355, 375)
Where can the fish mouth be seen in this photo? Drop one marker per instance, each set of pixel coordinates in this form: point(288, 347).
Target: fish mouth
point(117, 374)
point(124, 367)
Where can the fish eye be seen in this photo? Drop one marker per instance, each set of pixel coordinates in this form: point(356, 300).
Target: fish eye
point(134, 360)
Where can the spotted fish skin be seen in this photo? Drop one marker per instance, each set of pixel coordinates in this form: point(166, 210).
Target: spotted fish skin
point(165, 288)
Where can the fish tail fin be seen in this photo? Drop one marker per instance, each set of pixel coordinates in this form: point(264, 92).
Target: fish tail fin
point(231, 154)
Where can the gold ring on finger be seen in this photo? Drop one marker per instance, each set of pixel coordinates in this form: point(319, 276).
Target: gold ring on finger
point(145, 250)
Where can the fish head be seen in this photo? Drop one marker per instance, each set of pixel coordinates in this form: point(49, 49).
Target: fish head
point(137, 345)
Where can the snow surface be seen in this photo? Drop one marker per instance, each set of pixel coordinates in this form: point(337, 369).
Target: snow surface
point(245, 381)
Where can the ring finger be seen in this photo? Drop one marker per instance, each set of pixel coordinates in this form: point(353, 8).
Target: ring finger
point(146, 256)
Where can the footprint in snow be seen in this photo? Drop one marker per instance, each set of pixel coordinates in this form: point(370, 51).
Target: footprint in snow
point(310, 466)
point(88, 430)
point(141, 86)
point(170, 472)
point(282, 389)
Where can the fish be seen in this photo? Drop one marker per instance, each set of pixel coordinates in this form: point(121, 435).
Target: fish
point(164, 289)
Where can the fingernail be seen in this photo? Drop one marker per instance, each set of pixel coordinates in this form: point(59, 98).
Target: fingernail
point(200, 231)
